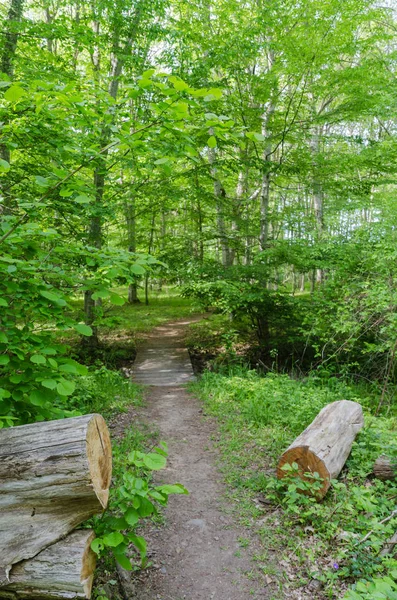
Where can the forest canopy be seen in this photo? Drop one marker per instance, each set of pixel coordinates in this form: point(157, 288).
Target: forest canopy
point(242, 150)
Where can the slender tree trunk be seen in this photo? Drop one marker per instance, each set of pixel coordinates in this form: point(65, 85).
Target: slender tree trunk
point(7, 58)
point(318, 198)
point(220, 195)
point(95, 228)
point(150, 249)
point(129, 211)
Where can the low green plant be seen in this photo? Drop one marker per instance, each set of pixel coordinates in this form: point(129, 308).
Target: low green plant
point(133, 498)
point(338, 539)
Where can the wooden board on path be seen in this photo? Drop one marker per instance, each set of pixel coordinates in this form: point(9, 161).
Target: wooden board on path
point(163, 359)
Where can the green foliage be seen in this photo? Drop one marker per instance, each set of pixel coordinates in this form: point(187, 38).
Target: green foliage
point(260, 417)
point(133, 498)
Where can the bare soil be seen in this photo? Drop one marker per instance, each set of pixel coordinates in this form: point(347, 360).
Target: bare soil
point(196, 554)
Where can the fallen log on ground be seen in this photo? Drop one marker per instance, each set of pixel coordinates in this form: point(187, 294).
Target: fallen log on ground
point(390, 546)
point(53, 476)
point(325, 445)
point(385, 468)
point(63, 570)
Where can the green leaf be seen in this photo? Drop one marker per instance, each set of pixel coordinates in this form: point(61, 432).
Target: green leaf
point(36, 398)
point(96, 545)
point(139, 542)
point(3, 302)
point(137, 269)
point(131, 516)
point(176, 488)
point(113, 539)
point(155, 462)
point(82, 199)
point(51, 384)
point(211, 142)
point(117, 300)
point(65, 387)
point(53, 297)
point(4, 165)
point(3, 338)
point(42, 181)
point(38, 359)
point(123, 561)
point(4, 359)
point(146, 508)
point(14, 93)
point(83, 329)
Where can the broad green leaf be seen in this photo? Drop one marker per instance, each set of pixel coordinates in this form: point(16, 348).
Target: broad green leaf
point(3, 338)
point(36, 398)
point(117, 300)
point(176, 488)
point(137, 269)
point(83, 329)
point(4, 359)
point(38, 359)
point(4, 165)
point(154, 461)
point(113, 539)
point(53, 297)
point(123, 561)
point(51, 384)
point(3, 302)
point(131, 516)
point(211, 142)
point(14, 93)
point(96, 545)
point(65, 387)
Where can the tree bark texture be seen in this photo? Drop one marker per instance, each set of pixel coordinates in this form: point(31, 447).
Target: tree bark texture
point(324, 446)
point(53, 476)
point(385, 468)
point(63, 570)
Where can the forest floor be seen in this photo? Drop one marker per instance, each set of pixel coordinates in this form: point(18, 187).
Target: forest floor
point(199, 553)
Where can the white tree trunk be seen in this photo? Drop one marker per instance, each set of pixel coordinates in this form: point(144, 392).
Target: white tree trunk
point(53, 476)
point(63, 570)
point(324, 446)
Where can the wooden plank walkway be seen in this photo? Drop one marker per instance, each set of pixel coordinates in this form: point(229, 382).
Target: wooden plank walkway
point(163, 359)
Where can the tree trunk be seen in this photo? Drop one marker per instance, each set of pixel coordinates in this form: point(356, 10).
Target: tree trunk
point(53, 476)
point(385, 469)
point(324, 446)
point(11, 35)
point(129, 211)
point(63, 570)
point(220, 196)
point(117, 60)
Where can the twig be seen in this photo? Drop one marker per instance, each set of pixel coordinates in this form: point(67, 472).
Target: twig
point(389, 518)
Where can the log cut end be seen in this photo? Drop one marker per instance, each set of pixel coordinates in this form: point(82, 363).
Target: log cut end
point(88, 567)
point(307, 462)
point(99, 454)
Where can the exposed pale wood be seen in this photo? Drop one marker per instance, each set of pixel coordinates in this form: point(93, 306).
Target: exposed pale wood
point(385, 469)
point(325, 445)
point(63, 570)
point(53, 476)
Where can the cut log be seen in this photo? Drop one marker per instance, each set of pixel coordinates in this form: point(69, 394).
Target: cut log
point(385, 469)
point(63, 570)
point(390, 546)
point(325, 445)
point(53, 476)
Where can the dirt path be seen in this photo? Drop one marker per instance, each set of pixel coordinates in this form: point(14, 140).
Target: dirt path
point(197, 554)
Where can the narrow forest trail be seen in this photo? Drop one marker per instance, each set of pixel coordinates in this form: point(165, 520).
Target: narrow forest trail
point(196, 555)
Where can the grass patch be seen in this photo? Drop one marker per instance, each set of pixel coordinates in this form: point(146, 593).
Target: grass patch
point(259, 417)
